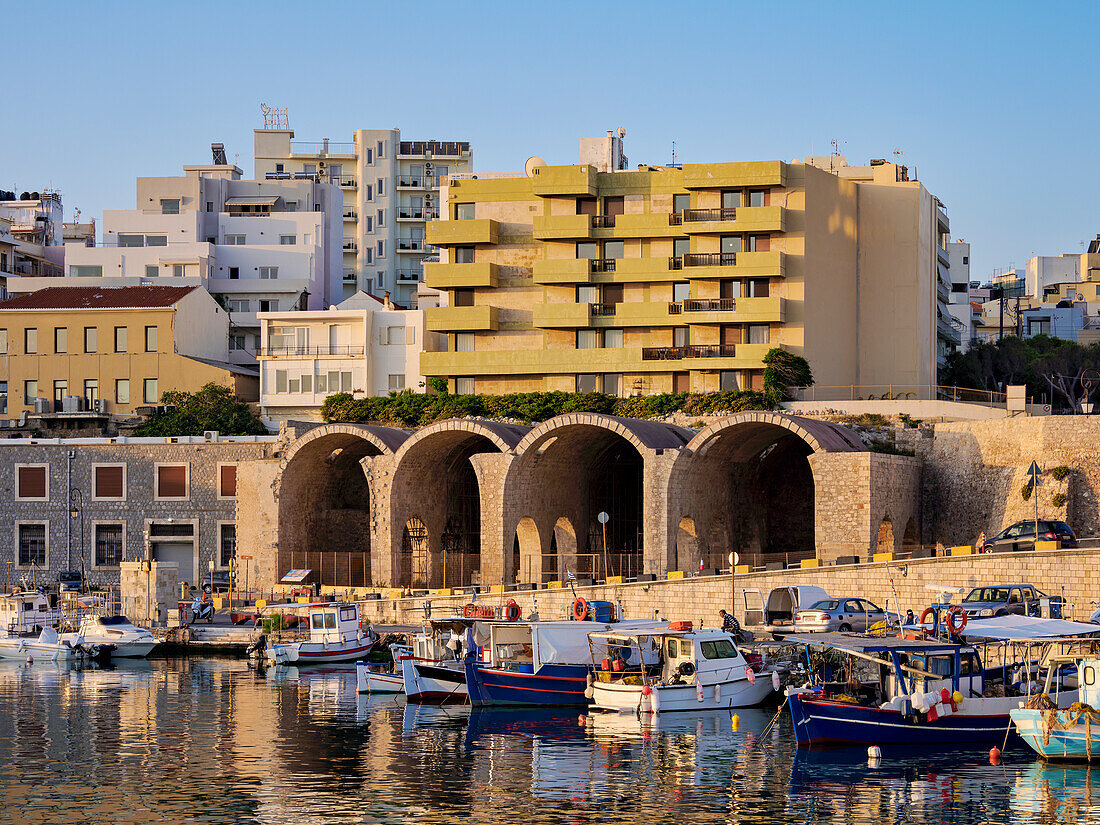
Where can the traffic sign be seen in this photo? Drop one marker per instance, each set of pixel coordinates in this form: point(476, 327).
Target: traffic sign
point(1034, 472)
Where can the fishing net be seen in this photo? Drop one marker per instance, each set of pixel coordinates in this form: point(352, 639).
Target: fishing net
point(1054, 719)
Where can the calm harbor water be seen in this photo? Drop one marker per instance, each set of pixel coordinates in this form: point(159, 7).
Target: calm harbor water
point(212, 741)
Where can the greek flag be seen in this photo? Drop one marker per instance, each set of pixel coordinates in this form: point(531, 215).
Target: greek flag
point(569, 575)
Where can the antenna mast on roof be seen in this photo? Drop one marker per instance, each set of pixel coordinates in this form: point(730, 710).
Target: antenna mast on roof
point(897, 156)
point(673, 154)
point(274, 118)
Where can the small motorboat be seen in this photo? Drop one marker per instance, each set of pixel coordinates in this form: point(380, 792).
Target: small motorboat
point(1048, 726)
point(378, 678)
point(130, 642)
point(49, 646)
point(676, 668)
point(435, 673)
point(335, 635)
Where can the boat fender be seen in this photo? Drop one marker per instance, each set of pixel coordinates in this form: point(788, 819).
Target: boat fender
point(699, 692)
point(590, 680)
point(589, 692)
point(874, 752)
point(750, 675)
point(932, 714)
point(655, 701)
point(945, 696)
point(957, 698)
point(775, 680)
point(994, 755)
point(718, 694)
point(735, 722)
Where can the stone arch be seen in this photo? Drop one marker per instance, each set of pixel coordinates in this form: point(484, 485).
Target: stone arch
point(440, 475)
point(885, 541)
point(527, 551)
point(575, 466)
point(688, 550)
point(747, 482)
point(324, 502)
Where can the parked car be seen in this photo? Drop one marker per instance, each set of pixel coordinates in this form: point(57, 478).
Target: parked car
point(1021, 536)
point(1003, 599)
point(844, 615)
point(70, 581)
point(221, 582)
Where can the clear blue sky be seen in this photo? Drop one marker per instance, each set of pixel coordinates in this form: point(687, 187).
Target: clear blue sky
point(995, 105)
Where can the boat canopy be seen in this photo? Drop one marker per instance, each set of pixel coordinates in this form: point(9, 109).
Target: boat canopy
point(1020, 628)
point(871, 644)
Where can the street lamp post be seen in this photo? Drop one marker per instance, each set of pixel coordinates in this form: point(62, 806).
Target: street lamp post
point(76, 511)
point(733, 559)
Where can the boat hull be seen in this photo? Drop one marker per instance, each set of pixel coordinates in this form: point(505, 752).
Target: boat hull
point(21, 649)
point(1072, 743)
point(823, 721)
point(740, 693)
point(560, 685)
point(317, 653)
point(370, 681)
point(432, 683)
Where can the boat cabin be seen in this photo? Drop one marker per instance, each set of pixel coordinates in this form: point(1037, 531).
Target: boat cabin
point(443, 640)
point(26, 612)
point(334, 623)
point(666, 657)
point(526, 646)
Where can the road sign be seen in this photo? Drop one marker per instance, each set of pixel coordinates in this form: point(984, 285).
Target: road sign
point(603, 518)
point(1034, 472)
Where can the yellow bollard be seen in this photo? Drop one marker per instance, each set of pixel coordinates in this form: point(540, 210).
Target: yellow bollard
point(736, 722)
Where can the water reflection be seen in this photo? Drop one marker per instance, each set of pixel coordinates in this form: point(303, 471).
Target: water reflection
point(191, 740)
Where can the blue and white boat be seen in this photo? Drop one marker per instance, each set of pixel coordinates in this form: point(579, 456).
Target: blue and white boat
point(1050, 727)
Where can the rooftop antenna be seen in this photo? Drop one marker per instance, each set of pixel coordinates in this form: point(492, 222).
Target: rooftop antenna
point(673, 153)
point(837, 143)
point(897, 157)
point(274, 118)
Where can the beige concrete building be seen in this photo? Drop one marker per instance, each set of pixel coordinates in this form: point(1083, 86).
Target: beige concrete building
point(658, 279)
point(112, 350)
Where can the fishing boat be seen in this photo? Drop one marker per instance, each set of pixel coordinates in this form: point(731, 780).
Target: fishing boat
point(918, 691)
point(1050, 727)
point(48, 646)
point(335, 635)
point(676, 668)
point(536, 663)
point(26, 611)
point(377, 678)
point(435, 673)
point(130, 642)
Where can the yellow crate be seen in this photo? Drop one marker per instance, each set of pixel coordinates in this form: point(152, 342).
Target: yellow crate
point(1045, 546)
point(496, 588)
point(393, 594)
point(675, 574)
point(614, 579)
point(962, 550)
point(554, 585)
point(305, 599)
point(743, 570)
point(810, 563)
point(884, 556)
point(443, 591)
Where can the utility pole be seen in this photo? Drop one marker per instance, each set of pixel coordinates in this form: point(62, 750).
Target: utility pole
point(1036, 481)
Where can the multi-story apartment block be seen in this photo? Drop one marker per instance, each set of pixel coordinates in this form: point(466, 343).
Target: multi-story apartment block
point(364, 346)
point(257, 246)
point(75, 349)
point(34, 222)
point(657, 279)
point(7, 256)
point(960, 306)
point(391, 190)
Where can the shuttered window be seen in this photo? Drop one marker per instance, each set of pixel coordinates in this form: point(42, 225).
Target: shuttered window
point(172, 481)
point(32, 483)
point(227, 481)
point(110, 482)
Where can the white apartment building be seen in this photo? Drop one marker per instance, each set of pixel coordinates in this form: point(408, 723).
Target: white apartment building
point(391, 190)
point(32, 231)
point(364, 346)
point(257, 246)
point(960, 307)
point(7, 256)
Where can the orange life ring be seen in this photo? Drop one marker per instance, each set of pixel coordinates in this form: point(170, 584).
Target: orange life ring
point(956, 620)
point(511, 610)
point(928, 611)
point(468, 611)
point(580, 609)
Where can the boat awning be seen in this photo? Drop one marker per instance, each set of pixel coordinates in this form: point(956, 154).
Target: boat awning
point(258, 200)
point(869, 644)
point(1018, 628)
point(296, 576)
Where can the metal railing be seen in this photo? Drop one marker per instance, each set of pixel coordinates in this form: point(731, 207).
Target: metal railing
point(727, 213)
point(447, 148)
point(418, 213)
point(692, 351)
point(410, 243)
point(291, 176)
point(898, 392)
point(351, 245)
point(710, 259)
point(306, 351)
point(710, 305)
point(601, 265)
point(601, 310)
point(410, 182)
point(410, 275)
point(676, 262)
point(675, 218)
point(344, 180)
point(675, 308)
point(603, 221)
point(351, 213)
point(304, 147)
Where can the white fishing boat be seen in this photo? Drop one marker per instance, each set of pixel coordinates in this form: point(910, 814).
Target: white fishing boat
point(130, 642)
point(25, 611)
point(335, 635)
point(675, 669)
point(47, 646)
point(372, 678)
point(435, 673)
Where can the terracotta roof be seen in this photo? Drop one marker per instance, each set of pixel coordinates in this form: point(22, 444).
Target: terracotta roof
point(90, 297)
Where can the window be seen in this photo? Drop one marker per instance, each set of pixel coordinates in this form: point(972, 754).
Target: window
point(588, 249)
point(91, 392)
point(86, 271)
point(345, 382)
point(149, 393)
point(759, 334)
point(32, 545)
point(288, 240)
point(150, 339)
point(966, 260)
point(294, 385)
point(369, 153)
point(169, 206)
point(718, 649)
point(309, 168)
point(156, 240)
point(588, 294)
point(380, 187)
point(236, 343)
point(269, 273)
point(397, 382)
point(210, 204)
point(727, 381)
point(758, 197)
point(395, 336)
point(234, 240)
point(109, 482)
point(381, 249)
point(60, 389)
point(731, 200)
point(464, 254)
point(758, 243)
point(464, 211)
point(369, 223)
point(613, 249)
point(234, 273)
point(1038, 326)
point(612, 339)
point(227, 544)
point(681, 336)
point(680, 247)
point(756, 288)
point(131, 240)
point(108, 545)
point(380, 218)
point(464, 386)
point(3, 340)
point(369, 252)
point(464, 342)
point(588, 339)
point(30, 341)
point(1090, 675)
point(172, 481)
point(151, 271)
point(32, 482)
point(179, 270)
point(30, 392)
point(322, 382)
point(122, 390)
point(681, 291)
point(731, 243)
point(368, 193)
point(673, 648)
point(3, 397)
point(587, 383)
point(681, 202)
point(613, 384)
point(307, 383)
point(380, 149)
point(61, 340)
point(280, 381)
point(269, 305)
point(89, 339)
point(227, 481)
point(237, 305)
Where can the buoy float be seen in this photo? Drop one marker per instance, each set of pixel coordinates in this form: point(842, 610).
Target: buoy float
point(750, 675)
point(647, 690)
point(655, 702)
point(776, 683)
point(994, 755)
point(718, 694)
point(582, 720)
point(957, 697)
point(30, 660)
point(874, 752)
point(699, 692)
point(735, 722)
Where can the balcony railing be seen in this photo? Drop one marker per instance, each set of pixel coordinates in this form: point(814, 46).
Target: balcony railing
point(351, 246)
point(414, 244)
point(449, 148)
point(275, 352)
point(710, 305)
point(344, 180)
point(410, 275)
point(418, 213)
point(694, 351)
point(603, 221)
point(710, 259)
point(676, 262)
point(675, 308)
point(601, 310)
point(351, 214)
point(327, 147)
point(601, 265)
point(675, 218)
point(349, 274)
point(291, 176)
point(728, 213)
point(410, 181)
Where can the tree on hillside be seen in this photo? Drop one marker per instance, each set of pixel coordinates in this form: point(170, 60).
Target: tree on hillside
point(784, 370)
point(213, 407)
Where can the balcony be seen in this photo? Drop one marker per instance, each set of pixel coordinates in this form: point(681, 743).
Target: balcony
point(561, 316)
point(417, 213)
point(561, 227)
point(562, 271)
point(688, 216)
point(734, 175)
point(603, 221)
point(693, 259)
point(433, 148)
point(741, 219)
point(350, 245)
point(346, 181)
point(411, 245)
point(601, 310)
point(349, 275)
point(462, 276)
point(681, 353)
point(464, 233)
point(410, 182)
point(309, 352)
point(351, 215)
point(572, 181)
point(409, 276)
point(461, 319)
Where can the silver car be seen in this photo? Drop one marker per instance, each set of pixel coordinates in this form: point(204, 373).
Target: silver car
point(844, 615)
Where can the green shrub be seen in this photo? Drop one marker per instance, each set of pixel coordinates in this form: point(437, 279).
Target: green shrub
point(1025, 492)
point(1059, 500)
point(912, 423)
point(1059, 473)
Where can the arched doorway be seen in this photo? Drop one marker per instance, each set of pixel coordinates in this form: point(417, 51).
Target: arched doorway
point(688, 552)
point(415, 554)
point(527, 553)
point(885, 542)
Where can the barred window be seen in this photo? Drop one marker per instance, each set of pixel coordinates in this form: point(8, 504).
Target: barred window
point(108, 545)
point(227, 544)
point(32, 545)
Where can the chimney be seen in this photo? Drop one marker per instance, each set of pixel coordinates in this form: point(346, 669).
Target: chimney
point(386, 302)
point(324, 146)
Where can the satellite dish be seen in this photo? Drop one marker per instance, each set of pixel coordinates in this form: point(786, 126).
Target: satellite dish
point(1080, 296)
point(534, 162)
point(622, 132)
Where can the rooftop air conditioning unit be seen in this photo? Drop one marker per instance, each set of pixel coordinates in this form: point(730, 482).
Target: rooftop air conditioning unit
point(101, 405)
point(210, 435)
point(71, 403)
point(427, 166)
point(41, 406)
point(428, 197)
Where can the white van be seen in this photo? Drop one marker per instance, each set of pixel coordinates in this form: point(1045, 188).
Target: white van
point(777, 611)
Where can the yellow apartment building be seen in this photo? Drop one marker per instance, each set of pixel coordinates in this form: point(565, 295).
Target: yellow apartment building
point(113, 350)
point(660, 278)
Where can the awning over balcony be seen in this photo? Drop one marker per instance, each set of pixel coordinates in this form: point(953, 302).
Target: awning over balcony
point(259, 200)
